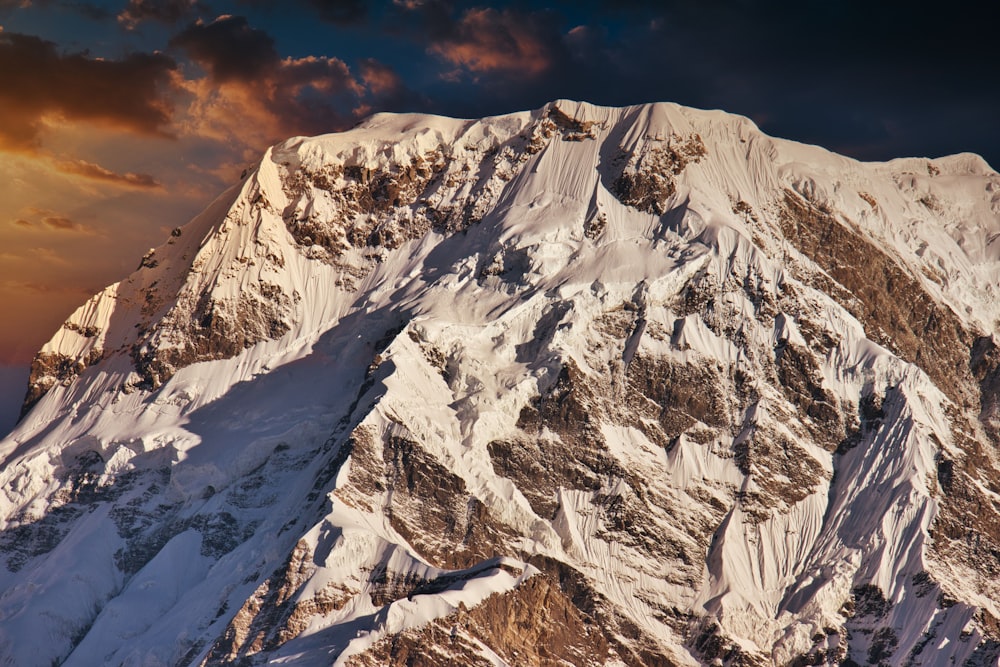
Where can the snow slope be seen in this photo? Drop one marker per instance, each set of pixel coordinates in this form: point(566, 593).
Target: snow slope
point(582, 384)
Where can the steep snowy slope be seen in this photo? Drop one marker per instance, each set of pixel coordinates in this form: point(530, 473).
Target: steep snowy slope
point(579, 386)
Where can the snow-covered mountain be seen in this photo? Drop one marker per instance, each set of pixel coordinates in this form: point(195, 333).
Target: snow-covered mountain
point(582, 385)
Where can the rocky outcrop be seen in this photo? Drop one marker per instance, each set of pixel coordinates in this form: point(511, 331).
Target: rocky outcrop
point(50, 369)
point(534, 625)
point(363, 201)
point(648, 177)
point(211, 329)
point(891, 303)
point(897, 311)
point(271, 616)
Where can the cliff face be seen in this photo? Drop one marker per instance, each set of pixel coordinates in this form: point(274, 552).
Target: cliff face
point(582, 385)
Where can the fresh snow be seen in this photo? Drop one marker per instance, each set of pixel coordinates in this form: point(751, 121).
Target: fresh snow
point(245, 437)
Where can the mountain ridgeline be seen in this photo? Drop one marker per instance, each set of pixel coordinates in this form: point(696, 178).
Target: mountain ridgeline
point(581, 385)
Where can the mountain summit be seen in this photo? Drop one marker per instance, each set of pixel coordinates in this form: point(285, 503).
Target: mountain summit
point(582, 385)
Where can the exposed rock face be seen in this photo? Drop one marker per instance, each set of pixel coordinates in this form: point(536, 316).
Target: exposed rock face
point(580, 386)
point(894, 307)
point(365, 201)
point(534, 625)
point(48, 370)
point(212, 329)
point(647, 180)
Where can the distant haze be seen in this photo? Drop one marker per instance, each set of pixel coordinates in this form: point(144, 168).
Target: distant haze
point(13, 382)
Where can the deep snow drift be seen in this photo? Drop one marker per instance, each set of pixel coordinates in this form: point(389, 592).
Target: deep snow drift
point(590, 385)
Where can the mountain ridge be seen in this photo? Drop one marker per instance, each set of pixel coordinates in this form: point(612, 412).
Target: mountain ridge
point(762, 378)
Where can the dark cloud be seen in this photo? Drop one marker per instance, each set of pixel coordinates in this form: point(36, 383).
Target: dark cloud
point(341, 12)
point(385, 90)
point(228, 48)
point(98, 173)
point(283, 96)
point(163, 11)
point(86, 9)
point(237, 55)
point(487, 40)
point(337, 12)
point(426, 20)
point(279, 96)
point(39, 82)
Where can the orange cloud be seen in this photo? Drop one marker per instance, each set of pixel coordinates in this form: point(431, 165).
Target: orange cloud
point(45, 219)
point(274, 97)
point(98, 173)
point(47, 288)
point(50, 257)
point(487, 41)
point(62, 224)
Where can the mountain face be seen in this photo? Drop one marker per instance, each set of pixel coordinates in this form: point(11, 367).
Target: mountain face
point(583, 385)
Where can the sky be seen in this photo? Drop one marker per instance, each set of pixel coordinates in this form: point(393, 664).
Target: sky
point(121, 120)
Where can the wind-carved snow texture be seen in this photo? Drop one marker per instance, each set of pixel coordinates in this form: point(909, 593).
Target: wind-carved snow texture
point(583, 386)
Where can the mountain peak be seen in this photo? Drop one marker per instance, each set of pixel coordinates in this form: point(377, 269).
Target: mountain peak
point(699, 393)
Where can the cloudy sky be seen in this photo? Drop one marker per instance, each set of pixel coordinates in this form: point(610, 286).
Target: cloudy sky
point(121, 120)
